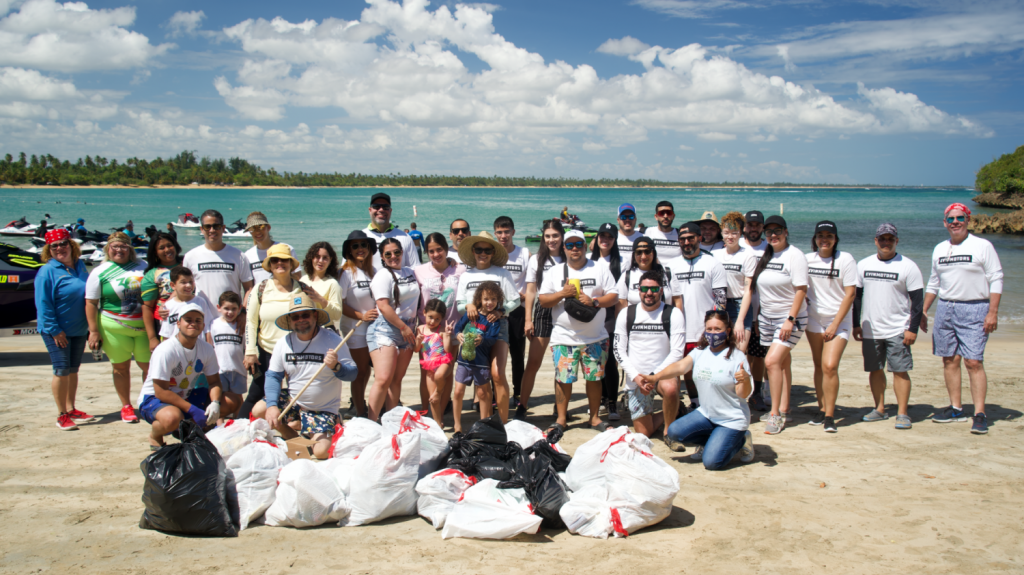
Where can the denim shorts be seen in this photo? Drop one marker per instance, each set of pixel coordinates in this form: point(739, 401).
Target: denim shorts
point(732, 305)
point(150, 406)
point(65, 360)
point(381, 333)
point(234, 382)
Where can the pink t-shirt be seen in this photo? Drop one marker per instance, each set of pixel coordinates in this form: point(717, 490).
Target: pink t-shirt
point(439, 285)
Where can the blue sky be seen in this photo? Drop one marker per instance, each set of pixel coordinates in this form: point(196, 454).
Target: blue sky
point(884, 91)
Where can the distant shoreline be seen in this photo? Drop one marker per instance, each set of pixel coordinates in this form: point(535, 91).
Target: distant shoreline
point(666, 187)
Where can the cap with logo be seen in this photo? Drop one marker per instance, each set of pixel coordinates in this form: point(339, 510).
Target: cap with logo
point(754, 216)
point(608, 229)
point(885, 229)
point(826, 226)
point(689, 228)
point(626, 208)
point(380, 196)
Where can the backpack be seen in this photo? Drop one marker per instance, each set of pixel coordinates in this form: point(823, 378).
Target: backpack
point(666, 321)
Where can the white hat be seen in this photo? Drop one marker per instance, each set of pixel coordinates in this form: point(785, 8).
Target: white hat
point(190, 307)
point(573, 234)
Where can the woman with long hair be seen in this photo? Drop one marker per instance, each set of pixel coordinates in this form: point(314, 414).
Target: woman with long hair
point(163, 254)
point(320, 272)
point(354, 279)
point(538, 319)
point(606, 252)
point(780, 279)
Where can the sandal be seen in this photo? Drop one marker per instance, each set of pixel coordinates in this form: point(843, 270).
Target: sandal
point(556, 425)
point(600, 427)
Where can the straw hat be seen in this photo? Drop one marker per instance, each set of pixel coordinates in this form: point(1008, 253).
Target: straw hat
point(280, 251)
point(708, 216)
point(499, 258)
point(256, 219)
point(302, 302)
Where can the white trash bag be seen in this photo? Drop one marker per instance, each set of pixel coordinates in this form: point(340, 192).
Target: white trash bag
point(350, 439)
point(384, 478)
point(526, 434)
point(486, 512)
point(438, 493)
point(307, 496)
point(256, 467)
point(433, 441)
point(238, 433)
point(341, 471)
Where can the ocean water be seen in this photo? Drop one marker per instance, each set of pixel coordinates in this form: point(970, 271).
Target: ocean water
point(302, 216)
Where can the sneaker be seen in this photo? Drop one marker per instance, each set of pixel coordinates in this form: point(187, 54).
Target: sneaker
point(903, 422)
point(80, 416)
point(672, 444)
point(758, 403)
point(513, 402)
point(949, 415)
point(521, 413)
point(980, 426)
point(603, 410)
point(789, 418)
point(65, 423)
point(128, 415)
point(875, 415)
point(747, 451)
point(699, 454)
point(613, 411)
point(830, 425)
point(818, 419)
point(776, 423)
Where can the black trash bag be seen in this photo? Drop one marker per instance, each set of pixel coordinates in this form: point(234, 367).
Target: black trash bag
point(544, 488)
point(493, 468)
point(188, 489)
point(555, 434)
point(490, 431)
point(509, 453)
point(543, 450)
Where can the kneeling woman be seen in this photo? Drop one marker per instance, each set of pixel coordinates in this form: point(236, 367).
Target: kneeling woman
point(720, 372)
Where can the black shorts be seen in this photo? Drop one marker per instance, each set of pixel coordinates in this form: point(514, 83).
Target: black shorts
point(754, 347)
point(542, 324)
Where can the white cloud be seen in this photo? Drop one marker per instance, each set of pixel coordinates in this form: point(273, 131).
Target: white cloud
point(184, 23)
point(685, 147)
point(691, 8)
point(907, 113)
point(21, 84)
point(716, 137)
point(71, 37)
point(625, 46)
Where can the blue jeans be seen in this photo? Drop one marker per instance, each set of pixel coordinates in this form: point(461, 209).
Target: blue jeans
point(720, 443)
point(732, 305)
point(65, 360)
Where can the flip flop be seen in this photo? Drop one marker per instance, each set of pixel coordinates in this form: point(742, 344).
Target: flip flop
point(600, 427)
point(553, 426)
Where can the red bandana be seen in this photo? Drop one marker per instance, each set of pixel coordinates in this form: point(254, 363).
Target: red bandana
point(57, 235)
point(961, 207)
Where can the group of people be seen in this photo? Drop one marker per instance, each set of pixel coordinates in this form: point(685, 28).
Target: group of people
point(712, 306)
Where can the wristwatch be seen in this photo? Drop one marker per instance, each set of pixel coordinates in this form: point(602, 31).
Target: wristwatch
point(791, 318)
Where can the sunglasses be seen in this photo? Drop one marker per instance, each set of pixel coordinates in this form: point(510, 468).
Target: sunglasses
point(302, 315)
point(212, 227)
point(627, 217)
point(275, 261)
point(60, 245)
point(575, 245)
point(461, 231)
point(666, 213)
point(689, 238)
point(380, 206)
point(481, 251)
point(393, 254)
point(952, 219)
point(643, 252)
point(774, 232)
point(259, 228)
point(650, 289)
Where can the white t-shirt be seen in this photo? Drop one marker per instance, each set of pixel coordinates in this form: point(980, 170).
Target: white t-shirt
point(966, 272)
point(454, 254)
point(300, 360)
point(885, 309)
point(531, 268)
point(169, 327)
point(518, 260)
point(472, 278)
point(356, 288)
point(647, 349)
point(631, 293)
point(230, 346)
point(826, 290)
point(776, 285)
point(382, 286)
point(256, 256)
point(595, 281)
point(715, 378)
point(219, 271)
point(712, 247)
point(625, 244)
point(665, 243)
point(760, 247)
point(694, 279)
point(184, 368)
point(733, 265)
point(410, 256)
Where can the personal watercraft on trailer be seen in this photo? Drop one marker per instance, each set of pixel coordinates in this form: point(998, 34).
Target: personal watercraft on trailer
point(18, 270)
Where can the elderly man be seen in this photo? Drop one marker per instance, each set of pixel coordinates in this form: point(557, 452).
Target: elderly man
point(967, 277)
point(381, 228)
point(300, 355)
point(259, 228)
point(173, 389)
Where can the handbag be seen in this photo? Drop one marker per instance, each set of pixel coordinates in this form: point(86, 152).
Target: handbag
point(575, 308)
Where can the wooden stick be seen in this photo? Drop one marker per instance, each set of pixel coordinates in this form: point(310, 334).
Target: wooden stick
point(316, 375)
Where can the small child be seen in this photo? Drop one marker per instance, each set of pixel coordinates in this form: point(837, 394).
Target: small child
point(488, 297)
point(434, 345)
point(230, 348)
point(184, 286)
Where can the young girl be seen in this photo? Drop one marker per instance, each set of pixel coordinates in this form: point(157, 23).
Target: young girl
point(486, 300)
point(434, 345)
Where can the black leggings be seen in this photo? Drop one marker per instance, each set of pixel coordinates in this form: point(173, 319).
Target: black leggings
point(517, 346)
point(256, 387)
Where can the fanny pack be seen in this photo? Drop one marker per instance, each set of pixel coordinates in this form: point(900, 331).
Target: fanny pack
point(576, 309)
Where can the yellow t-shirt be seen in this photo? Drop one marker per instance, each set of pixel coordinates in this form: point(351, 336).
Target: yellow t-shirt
point(331, 291)
point(275, 304)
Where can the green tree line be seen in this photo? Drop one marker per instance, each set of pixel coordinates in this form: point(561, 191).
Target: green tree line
point(186, 168)
point(1003, 175)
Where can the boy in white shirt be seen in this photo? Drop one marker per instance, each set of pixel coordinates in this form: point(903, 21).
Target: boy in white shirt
point(230, 349)
point(184, 286)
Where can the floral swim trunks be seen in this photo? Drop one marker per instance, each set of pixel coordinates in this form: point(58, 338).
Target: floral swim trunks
point(311, 422)
point(568, 358)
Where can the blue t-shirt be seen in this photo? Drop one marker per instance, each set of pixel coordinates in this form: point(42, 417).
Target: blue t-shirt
point(417, 236)
point(483, 347)
point(60, 299)
point(715, 378)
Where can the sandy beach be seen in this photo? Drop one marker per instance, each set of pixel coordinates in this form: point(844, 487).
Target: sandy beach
point(869, 499)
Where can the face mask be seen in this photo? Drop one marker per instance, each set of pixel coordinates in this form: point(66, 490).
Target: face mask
point(716, 339)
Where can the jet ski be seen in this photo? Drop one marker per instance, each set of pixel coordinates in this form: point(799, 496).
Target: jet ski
point(87, 248)
point(187, 220)
point(236, 231)
point(97, 256)
point(19, 228)
point(18, 270)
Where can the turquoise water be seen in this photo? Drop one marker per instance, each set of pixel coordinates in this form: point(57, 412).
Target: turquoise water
point(302, 216)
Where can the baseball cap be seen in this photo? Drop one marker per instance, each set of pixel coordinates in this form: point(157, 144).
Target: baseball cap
point(380, 196)
point(608, 229)
point(777, 220)
point(886, 228)
point(754, 216)
point(626, 208)
point(826, 226)
point(689, 228)
point(190, 307)
point(573, 234)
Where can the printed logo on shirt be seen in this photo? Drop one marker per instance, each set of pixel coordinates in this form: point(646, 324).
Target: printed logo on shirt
point(687, 276)
point(216, 267)
point(514, 268)
point(304, 357)
point(649, 327)
point(666, 243)
point(586, 282)
point(823, 272)
point(884, 276)
point(953, 260)
point(173, 318)
point(255, 266)
point(733, 267)
point(228, 338)
point(776, 267)
point(362, 285)
point(407, 280)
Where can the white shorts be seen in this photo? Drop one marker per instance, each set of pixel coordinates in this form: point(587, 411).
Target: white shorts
point(357, 341)
point(769, 329)
point(818, 324)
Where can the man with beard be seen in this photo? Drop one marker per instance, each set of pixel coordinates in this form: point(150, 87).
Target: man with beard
point(666, 238)
point(381, 228)
point(753, 238)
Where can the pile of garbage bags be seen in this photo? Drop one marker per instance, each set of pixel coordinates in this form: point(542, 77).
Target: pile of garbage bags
point(493, 482)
